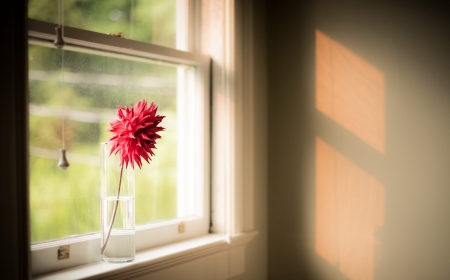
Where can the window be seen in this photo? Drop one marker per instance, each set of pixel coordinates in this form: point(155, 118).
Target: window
point(73, 94)
point(225, 26)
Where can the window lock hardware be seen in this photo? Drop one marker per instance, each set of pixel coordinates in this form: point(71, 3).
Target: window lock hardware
point(181, 227)
point(59, 41)
point(63, 252)
point(117, 34)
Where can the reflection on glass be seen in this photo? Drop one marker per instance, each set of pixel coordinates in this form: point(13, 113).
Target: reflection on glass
point(66, 202)
point(349, 210)
point(142, 20)
point(350, 91)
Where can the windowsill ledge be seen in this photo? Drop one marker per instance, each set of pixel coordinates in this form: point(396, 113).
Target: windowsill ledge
point(153, 259)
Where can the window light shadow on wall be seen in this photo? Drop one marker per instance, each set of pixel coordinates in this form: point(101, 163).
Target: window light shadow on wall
point(349, 209)
point(350, 91)
point(349, 200)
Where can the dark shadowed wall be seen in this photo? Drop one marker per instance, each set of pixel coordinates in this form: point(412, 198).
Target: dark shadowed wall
point(359, 134)
point(14, 255)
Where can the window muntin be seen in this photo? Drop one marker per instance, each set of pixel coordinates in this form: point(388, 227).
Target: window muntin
point(141, 20)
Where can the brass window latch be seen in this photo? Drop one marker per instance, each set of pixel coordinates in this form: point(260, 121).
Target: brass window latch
point(64, 252)
point(117, 34)
point(181, 227)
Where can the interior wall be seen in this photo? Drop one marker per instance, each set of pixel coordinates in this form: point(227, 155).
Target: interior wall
point(359, 98)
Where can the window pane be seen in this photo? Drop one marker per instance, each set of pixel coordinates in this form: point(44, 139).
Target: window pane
point(67, 202)
point(151, 21)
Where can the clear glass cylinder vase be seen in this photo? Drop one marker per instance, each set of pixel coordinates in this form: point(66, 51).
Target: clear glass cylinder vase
point(117, 186)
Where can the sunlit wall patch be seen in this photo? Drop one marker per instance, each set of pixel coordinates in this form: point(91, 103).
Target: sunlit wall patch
point(350, 91)
point(349, 211)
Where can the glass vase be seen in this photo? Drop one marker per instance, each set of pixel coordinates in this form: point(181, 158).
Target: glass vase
point(117, 186)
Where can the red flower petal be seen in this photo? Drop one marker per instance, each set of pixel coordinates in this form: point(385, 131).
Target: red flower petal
point(136, 130)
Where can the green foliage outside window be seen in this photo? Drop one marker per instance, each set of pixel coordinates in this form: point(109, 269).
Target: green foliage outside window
point(65, 203)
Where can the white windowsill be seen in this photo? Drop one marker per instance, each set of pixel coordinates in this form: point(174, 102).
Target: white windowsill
point(153, 259)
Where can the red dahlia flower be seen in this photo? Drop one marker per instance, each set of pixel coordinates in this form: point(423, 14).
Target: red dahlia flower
point(136, 132)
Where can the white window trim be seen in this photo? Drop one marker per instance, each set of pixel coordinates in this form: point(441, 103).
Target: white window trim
point(233, 124)
point(154, 259)
point(233, 183)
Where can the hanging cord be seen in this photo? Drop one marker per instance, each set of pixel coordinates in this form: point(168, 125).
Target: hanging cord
point(61, 23)
point(59, 44)
point(59, 13)
point(63, 103)
point(131, 19)
point(62, 68)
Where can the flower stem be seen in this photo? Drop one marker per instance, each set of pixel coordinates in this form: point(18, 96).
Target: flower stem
point(114, 213)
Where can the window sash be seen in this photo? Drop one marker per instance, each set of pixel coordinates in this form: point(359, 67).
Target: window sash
point(83, 38)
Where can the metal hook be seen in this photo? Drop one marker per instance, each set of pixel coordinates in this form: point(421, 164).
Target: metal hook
point(59, 41)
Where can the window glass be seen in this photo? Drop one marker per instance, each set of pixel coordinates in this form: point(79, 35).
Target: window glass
point(85, 94)
point(151, 21)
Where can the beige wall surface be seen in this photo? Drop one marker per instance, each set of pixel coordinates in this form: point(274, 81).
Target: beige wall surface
point(359, 157)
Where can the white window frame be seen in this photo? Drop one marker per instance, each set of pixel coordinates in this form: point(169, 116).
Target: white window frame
point(193, 158)
point(232, 153)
